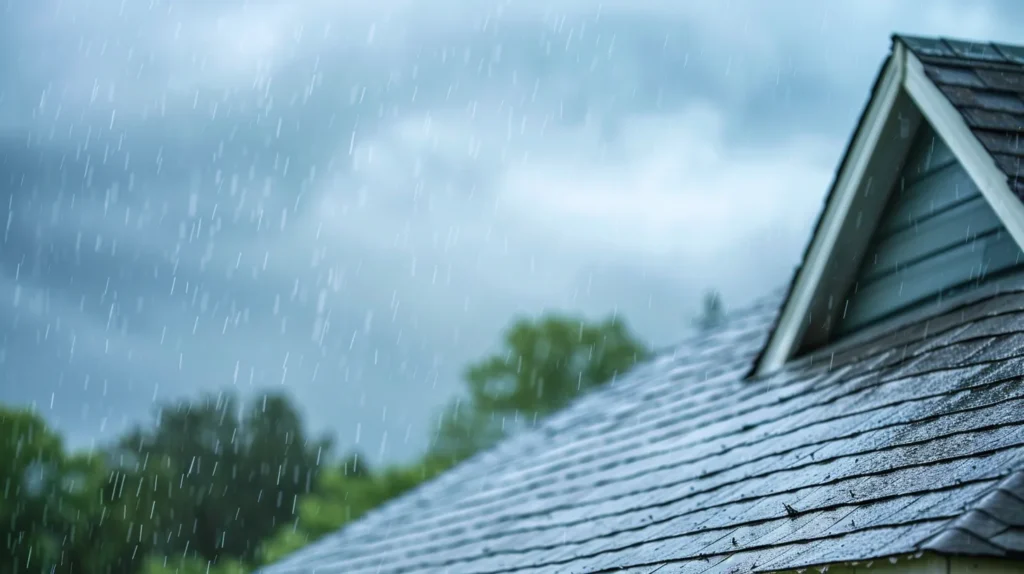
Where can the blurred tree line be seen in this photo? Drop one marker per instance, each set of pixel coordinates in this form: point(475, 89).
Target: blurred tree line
point(217, 486)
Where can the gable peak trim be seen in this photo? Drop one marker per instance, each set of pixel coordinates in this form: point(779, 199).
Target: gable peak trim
point(975, 159)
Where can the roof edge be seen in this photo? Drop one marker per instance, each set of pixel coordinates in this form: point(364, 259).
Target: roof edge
point(789, 324)
point(978, 532)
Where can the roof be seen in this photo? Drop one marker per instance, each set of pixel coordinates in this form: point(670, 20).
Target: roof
point(971, 94)
point(904, 438)
point(687, 464)
point(985, 83)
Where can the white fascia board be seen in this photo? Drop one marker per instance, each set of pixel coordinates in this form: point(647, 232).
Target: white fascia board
point(792, 320)
point(949, 123)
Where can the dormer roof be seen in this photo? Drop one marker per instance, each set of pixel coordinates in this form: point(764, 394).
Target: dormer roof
point(935, 100)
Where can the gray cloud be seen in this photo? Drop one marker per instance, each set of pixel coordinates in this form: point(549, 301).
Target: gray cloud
point(348, 200)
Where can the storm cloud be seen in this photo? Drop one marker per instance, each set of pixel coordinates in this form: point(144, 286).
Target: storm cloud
point(348, 200)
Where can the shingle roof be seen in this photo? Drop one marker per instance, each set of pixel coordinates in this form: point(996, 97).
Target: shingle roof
point(890, 442)
point(886, 446)
point(985, 82)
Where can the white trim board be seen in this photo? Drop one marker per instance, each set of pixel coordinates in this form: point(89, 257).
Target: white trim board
point(975, 159)
point(903, 74)
point(792, 320)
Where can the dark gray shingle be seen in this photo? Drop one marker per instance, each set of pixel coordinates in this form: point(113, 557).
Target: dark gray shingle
point(985, 82)
point(994, 526)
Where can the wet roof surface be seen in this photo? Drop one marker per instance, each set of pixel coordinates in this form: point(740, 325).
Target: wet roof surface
point(891, 442)
point(985, 82)
point(887, 446)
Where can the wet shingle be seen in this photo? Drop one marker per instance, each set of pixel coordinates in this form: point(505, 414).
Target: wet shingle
point(982, 51)
point(985, 82)
point(1012, 53)
point(805, 467)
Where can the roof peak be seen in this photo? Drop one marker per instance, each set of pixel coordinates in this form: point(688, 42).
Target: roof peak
point(971, 94)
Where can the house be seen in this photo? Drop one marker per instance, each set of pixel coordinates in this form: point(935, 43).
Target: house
point(870, 418)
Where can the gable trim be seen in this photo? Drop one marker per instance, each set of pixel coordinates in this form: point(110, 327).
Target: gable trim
point(975, 159)
point(791, 322)
point(904, 72)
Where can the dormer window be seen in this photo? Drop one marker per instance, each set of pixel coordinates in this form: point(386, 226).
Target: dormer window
point(925, 204)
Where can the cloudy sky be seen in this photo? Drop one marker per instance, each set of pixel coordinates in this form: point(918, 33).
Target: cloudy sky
point(349, 199)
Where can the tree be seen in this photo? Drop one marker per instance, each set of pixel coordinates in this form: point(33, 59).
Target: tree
point(344, 493)
point(182, 565)
point(712, 312)
point(463, 430)
point(66, 513)
point(32, 469)
point(239, 473)
point(544, 364)
point(119, 511)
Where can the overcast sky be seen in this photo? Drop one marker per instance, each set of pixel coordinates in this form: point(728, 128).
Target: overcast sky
point(348, 199)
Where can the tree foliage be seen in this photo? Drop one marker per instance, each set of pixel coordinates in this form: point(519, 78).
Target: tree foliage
point(67, 512)
point(33, 516)
point(344, 494)
point(547, 362)
point(542, 365)
point(242, 472)
point(188, 565)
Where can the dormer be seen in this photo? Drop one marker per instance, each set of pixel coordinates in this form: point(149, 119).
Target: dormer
point(926, 203)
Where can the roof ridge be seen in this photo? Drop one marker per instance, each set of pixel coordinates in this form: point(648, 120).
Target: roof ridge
point(984, 527)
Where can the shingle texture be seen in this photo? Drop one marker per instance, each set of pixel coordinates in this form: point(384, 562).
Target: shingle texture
point(994, 525)
point(894, 443)
point(985, 82)
point(898, 440)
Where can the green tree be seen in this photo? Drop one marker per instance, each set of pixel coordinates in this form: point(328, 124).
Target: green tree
point(119, 511)
point(32, 470)
point(63, 512)
point(239, 473)
point(544, 363)
point(463, 430)
point(712, 313)
point(182, 565)
point(344, 493)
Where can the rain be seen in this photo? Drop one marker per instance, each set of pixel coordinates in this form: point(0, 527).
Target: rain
point(268, 266)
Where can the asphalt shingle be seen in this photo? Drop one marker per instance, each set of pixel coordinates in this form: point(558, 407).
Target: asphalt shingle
point(895, 444)
point(985, 82)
